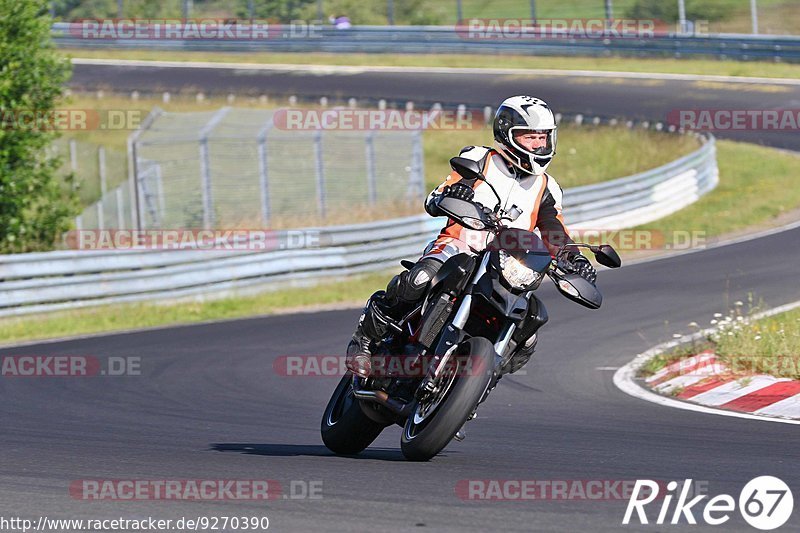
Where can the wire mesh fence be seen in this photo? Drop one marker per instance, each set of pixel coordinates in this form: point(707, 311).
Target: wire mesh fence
point(235, 168)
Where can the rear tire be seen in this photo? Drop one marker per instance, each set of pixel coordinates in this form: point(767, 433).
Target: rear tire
point(424, 438)
point(345, 429)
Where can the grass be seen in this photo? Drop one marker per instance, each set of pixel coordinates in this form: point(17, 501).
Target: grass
point(770, 345)
point(142, 315)
point(654, 364)
point(661, 65)
point(586, 154)
point(746, 347)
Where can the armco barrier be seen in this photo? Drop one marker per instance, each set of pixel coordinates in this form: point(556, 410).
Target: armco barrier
point(452, 40)
point(50, 281)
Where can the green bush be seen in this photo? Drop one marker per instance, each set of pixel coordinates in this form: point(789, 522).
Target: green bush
point(35, 205)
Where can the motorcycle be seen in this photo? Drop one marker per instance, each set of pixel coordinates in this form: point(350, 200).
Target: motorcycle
point(460, 340)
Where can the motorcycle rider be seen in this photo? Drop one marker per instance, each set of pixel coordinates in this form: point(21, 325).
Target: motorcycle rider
point(525, 143)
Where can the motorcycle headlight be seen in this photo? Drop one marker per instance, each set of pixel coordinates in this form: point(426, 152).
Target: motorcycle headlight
point(516, 274)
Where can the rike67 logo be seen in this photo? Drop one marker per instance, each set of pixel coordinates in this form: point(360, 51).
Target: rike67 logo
point(765, 503)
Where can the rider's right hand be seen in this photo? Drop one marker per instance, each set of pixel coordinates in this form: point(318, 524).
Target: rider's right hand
point(460, 191)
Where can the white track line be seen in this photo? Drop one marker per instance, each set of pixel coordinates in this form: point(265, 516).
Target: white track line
point(348, 69)
point(625, 377)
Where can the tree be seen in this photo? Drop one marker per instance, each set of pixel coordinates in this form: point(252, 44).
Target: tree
point(35, 205)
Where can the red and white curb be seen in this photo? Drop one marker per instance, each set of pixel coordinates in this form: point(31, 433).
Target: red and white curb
point(704, 380)
point(702, 384)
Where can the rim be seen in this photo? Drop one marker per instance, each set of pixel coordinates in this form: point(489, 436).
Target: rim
point(446, 380)
point(423, 411)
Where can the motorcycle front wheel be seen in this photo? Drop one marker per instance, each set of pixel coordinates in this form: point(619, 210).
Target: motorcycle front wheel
point(434, 422)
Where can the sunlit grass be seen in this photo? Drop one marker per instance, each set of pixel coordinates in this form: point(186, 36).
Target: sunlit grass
point(624, 64)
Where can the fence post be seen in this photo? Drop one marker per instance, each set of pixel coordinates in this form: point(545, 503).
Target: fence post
point(416, 182)
point(320, 169)
point(100, 221)
point(132, 179)
point(133, 166)
point(754, 15)
point(162, 209)
point(609, 14)
point(205, 184)
point(101, 165)
point(370, 148)
point(120, 216)
point(263, 171)
point(205, 167)
point(73, 155)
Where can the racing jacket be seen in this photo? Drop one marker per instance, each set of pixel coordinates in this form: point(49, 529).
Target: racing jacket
point(537, 197)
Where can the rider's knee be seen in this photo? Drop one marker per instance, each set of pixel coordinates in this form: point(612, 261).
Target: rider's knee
point(409, 286)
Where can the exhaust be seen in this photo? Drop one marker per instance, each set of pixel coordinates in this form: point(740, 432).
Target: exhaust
point(381, 397)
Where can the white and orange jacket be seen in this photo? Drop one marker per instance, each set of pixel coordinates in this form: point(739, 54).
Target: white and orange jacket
point(538, 197)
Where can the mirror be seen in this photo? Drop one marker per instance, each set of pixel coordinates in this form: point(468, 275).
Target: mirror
point(466, 168)
point(580, 291)
point(607, 256)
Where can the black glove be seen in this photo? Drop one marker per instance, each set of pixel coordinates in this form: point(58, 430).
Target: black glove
point(460, 191)
point(581, 266)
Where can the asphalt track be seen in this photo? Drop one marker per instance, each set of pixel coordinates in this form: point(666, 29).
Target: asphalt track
point(209, 405)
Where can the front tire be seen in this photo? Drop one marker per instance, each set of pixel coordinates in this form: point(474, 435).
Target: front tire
point(345, 429)
point(431, 427)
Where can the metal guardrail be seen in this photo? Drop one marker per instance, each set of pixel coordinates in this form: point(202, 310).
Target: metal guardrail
point(452, 39)
point(49, 281)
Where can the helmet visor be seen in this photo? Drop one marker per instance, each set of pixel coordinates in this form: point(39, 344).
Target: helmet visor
point(536, 143)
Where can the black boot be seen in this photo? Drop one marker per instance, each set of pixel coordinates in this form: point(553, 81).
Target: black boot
point(372, 327)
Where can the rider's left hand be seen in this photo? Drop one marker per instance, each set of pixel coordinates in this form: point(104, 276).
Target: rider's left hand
point(582, 267)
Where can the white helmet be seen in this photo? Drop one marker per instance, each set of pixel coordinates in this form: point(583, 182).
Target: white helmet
point(525, 113)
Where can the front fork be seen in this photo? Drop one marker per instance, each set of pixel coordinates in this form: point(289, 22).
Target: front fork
point(453, 334)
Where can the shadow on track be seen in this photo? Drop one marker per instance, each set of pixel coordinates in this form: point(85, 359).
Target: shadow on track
point(290, 450)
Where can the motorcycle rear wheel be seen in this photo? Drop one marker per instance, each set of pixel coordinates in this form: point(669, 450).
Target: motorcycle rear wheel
point(345, 429)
